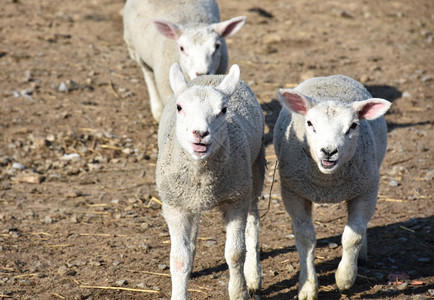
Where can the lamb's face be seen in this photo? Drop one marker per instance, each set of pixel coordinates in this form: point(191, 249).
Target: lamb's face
point(201, 120)
point(200, 51)
point(331, 133)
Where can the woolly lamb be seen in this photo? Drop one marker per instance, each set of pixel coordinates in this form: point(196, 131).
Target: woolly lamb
point(161, 32)
point(330, 139)
point(211, 154)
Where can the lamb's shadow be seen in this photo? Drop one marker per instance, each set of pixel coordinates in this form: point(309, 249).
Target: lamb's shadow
point(392, 250)
point(390, 93)
point(272, 111)
point(405, 247)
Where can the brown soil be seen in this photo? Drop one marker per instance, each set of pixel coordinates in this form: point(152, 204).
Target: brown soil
point(70, 223)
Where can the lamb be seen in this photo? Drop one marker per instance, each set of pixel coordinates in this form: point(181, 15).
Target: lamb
point(330, 139)
point(159, 33)
point(211, 154)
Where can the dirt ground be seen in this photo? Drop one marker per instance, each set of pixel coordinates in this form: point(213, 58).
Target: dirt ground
point(79, 210)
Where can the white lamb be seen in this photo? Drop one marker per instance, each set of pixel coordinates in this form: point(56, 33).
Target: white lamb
point(330, 139)
point(211, 154)
point(161, 32)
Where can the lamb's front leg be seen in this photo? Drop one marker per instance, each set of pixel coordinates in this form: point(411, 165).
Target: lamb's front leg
point(180, 225)
point(235, 251)
point(300, 211)
point(360, 211)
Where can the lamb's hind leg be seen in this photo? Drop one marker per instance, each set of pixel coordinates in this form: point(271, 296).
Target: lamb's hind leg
point(180, 226)
point(235, 251)
point(300, 211)
point(360, 211)
point(154, 96)
point(252, 266)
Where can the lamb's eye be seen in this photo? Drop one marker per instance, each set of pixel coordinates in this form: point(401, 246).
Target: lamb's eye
point(224, 110)
point(352, 127)
point(181, 48)
point(217, 46)
point(178, 107)
point(309, 124)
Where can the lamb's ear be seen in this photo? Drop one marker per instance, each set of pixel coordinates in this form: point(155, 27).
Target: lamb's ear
point(229, 27)
point(169, 30)
point(178, 83)
point(372, 108)
point(294, 101)
point(230, 82)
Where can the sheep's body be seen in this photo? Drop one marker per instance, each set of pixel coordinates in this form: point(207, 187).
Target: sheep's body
point(337, 160)
point(230, 178)
point(154, 31)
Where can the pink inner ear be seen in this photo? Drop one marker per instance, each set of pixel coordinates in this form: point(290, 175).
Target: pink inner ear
point(371, 110)
point(166, 30)
point(296, 103)
point(228, 30)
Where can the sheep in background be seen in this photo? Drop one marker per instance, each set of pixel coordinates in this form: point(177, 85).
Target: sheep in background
point(211, 154)
point(330, 139)
point(161, 32)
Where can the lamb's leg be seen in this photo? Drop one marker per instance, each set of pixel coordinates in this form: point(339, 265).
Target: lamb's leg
point(235, 251)
point(252, 266)
point(154, 96)
point(300, 211)
point(194, 232)
point(180, 226)
point(360, 211)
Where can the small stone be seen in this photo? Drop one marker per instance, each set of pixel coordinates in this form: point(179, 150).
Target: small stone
point(18, 166)
point(48, 220)
point(63, 88)
point(121, 282)
point(393, 183)
point(403, 286)
point(162, 267)
point(29, 177)
point(72, 156)
point(14, 232)
point(116, 263)
point(62, 270)
point(406, 94)
point(210, 243)
point(144, 226)
point(333, 245)
point(145, 247)
point(73, 219)
point(94, 167)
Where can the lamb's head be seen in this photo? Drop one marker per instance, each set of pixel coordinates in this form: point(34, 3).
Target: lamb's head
point(201, 112)
point(332, 126)
point(200, 45)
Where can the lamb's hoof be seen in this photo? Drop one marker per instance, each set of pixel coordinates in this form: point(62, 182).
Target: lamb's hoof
point(308, 292)
point(253, 293)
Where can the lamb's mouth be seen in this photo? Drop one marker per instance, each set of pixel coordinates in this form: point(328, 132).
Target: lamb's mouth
point(328, 164)
point(201, 148)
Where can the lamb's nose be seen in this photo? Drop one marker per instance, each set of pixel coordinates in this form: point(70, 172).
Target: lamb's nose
point(329, 153)
point(200, 134)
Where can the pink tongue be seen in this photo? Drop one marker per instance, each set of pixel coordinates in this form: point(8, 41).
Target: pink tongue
point(199, 147)
point(327, 163)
